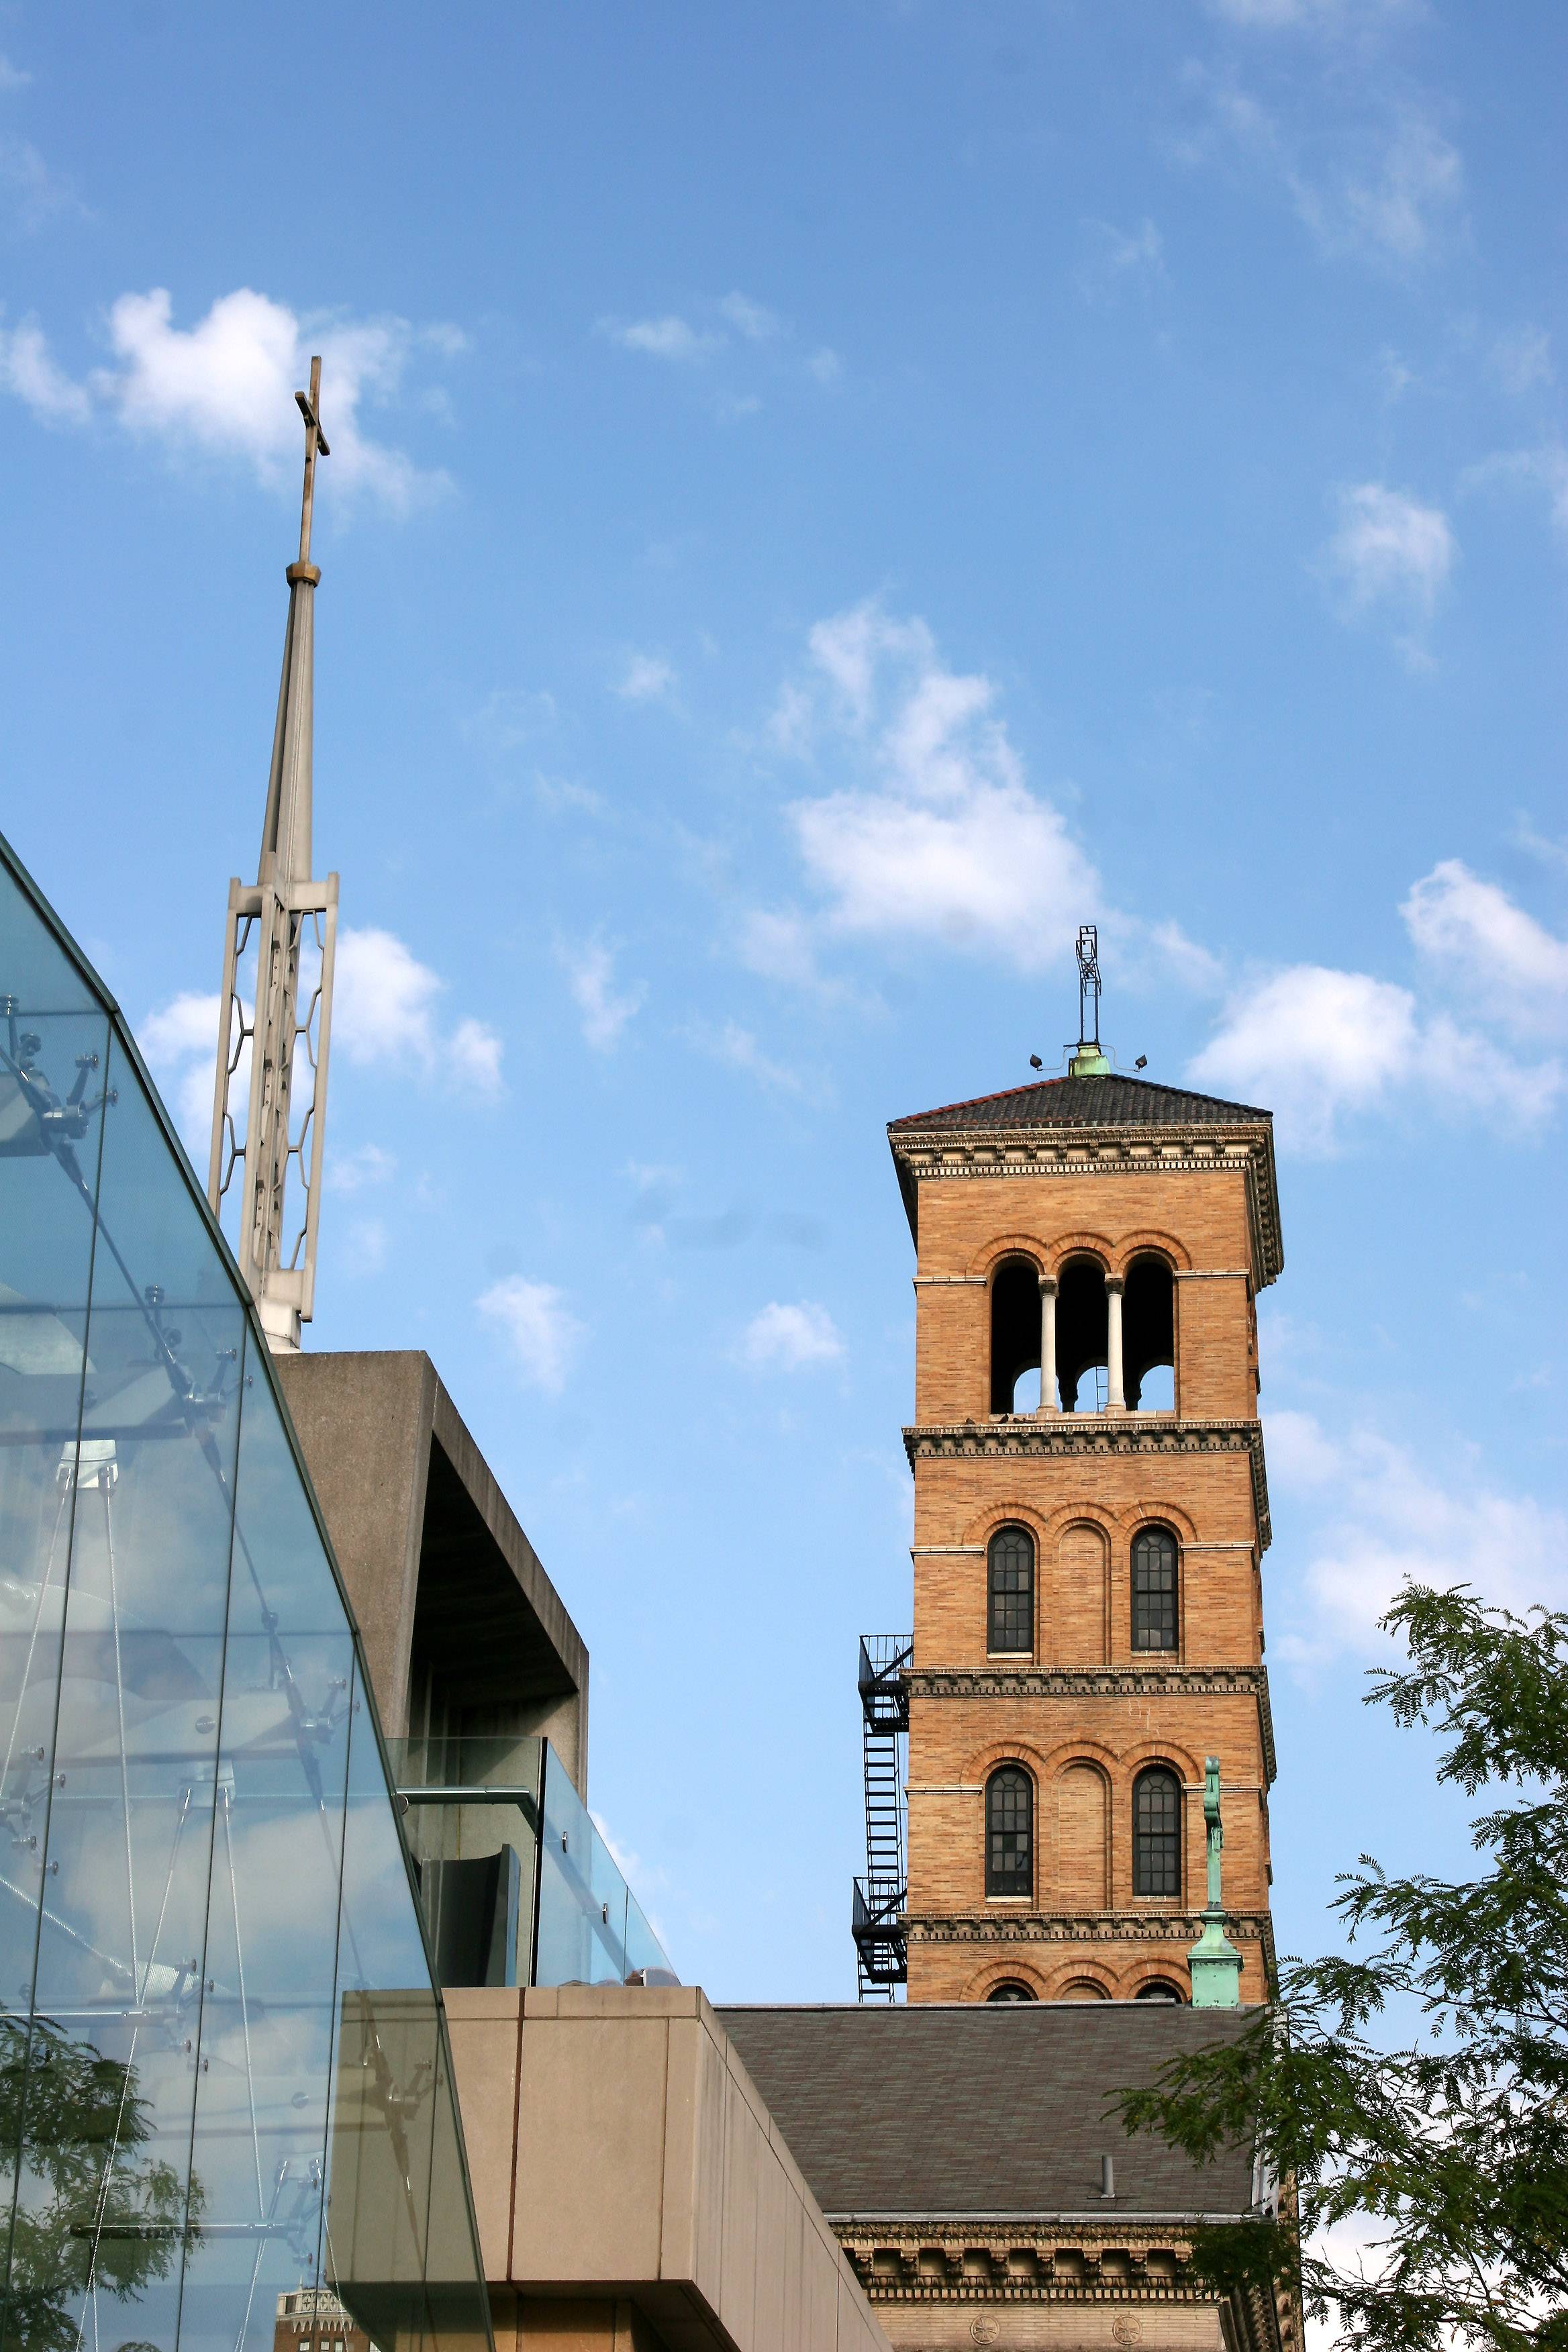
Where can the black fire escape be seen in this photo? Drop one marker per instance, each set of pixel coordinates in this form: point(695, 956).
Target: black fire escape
point(877, 1916)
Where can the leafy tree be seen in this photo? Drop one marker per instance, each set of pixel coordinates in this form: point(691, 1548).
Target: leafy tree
point(92, 2208)
point(1446, 2159)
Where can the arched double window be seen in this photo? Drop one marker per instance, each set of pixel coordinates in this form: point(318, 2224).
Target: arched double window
point(1157, 1832)
point(1157, 1989)
point(1009, 1989)
point(1010, 1605)
point(1154, 1590)
point(1010, 1832)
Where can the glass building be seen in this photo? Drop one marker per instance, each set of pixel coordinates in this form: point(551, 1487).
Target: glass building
point(226, 2094)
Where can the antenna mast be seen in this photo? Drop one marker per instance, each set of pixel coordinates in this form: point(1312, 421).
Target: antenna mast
point(1088, 1062)
point(291, 924)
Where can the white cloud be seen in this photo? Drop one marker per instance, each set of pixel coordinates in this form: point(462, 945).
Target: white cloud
point(1311, 15)
point(27, 369)
point(1311, 1044)
point(1473, 933)
point(1115, 258)
point(1391, 552)
point(385, 1012)
point(38, 195)
point(226, 386)
point(12, 77)
point(473, 1052)
point(1383, 1521)
point(751, 319)
point(179, 1041)
point(934, 834)
point(592, 971)
point(542, 1334)
point(646, 679)
point(1397, 210)
point(826, 365)
point(1388, 193)
point(511, 717)
point(739, 1048)
point(791, 1339)
point(353, 1171)
point(667, 338)
point(1318, 1045)
point(1523, 359)
point(1544, 469)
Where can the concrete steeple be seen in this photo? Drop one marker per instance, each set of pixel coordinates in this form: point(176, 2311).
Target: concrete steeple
point(287, 923)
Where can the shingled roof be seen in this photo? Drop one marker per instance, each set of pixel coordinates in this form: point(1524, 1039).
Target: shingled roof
point(934, 2109)
point(1113, 1101)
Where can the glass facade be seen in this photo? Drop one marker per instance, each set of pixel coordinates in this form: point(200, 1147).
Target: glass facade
point(224, 2075)
point(519, 1886)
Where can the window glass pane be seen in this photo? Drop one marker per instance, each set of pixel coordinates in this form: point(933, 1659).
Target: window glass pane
point(1154, 1591)
point(1156, 1834)
point(1012, 1590)
point(1009, 1856)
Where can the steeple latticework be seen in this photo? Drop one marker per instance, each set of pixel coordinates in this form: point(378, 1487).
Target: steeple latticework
point(281, 944)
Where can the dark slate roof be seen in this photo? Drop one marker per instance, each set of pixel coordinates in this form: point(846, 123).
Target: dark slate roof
point(1113, 1101)
point(940, 2108)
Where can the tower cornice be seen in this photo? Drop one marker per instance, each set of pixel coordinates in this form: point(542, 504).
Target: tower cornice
point(1074, 1433)
point(1175, 1149)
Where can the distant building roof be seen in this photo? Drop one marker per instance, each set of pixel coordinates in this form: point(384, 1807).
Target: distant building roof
point(997, 2107)
point(1114, 1101)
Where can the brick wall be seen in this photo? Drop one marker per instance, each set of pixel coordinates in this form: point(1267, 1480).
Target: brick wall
point(1084, 1744)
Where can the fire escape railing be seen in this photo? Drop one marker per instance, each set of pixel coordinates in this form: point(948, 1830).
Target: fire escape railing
point(876, 1922)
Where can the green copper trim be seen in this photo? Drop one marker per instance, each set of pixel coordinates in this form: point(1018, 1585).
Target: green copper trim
point(1215, 1962)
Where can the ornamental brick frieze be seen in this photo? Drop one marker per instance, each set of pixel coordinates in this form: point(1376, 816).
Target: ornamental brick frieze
point(998, 2260)
point(1084, 1927)
point(1061, 1434)
point(1046, 2260)
point(1079, 1683)
point(955, 1156)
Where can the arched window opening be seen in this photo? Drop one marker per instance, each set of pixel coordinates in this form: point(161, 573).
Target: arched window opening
point(1154, 1590)
point(1009, 1989)
point(1157, 1832)
point(1010, 1619)
point(1082, 1336)
point(1084, 1989)
point(1158, 1990)
point(1010, 1832)
point(1149, 1334)
point(1015, 1330)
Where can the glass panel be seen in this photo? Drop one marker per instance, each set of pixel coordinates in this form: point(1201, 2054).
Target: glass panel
point(129, 1846)
point(385, 2084)
point(33, 968)
point(459, 2298)
point(211, 1977)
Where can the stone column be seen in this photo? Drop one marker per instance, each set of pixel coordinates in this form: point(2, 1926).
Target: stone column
point(1048, 1343)
point(1115, 1396)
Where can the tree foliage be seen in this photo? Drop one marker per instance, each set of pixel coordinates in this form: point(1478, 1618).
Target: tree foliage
point(93, 2208)
point(1442, 2164)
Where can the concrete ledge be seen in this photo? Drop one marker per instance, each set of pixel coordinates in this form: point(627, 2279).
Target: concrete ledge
point(622, 2155)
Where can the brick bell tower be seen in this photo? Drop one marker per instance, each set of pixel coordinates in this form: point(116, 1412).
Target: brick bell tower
point(1091, 1512)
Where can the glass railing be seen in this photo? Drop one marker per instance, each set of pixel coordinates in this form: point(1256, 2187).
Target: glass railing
point(519, 1886)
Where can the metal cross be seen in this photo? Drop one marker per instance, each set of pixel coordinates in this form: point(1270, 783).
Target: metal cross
point(315, 441)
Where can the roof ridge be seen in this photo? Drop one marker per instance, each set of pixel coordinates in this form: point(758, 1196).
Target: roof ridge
point(1107, 1077)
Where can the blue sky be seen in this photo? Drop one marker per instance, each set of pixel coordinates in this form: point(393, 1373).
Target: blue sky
point(824, 500)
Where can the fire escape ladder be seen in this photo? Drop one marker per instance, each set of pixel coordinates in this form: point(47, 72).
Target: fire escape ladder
point(877, 1912)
